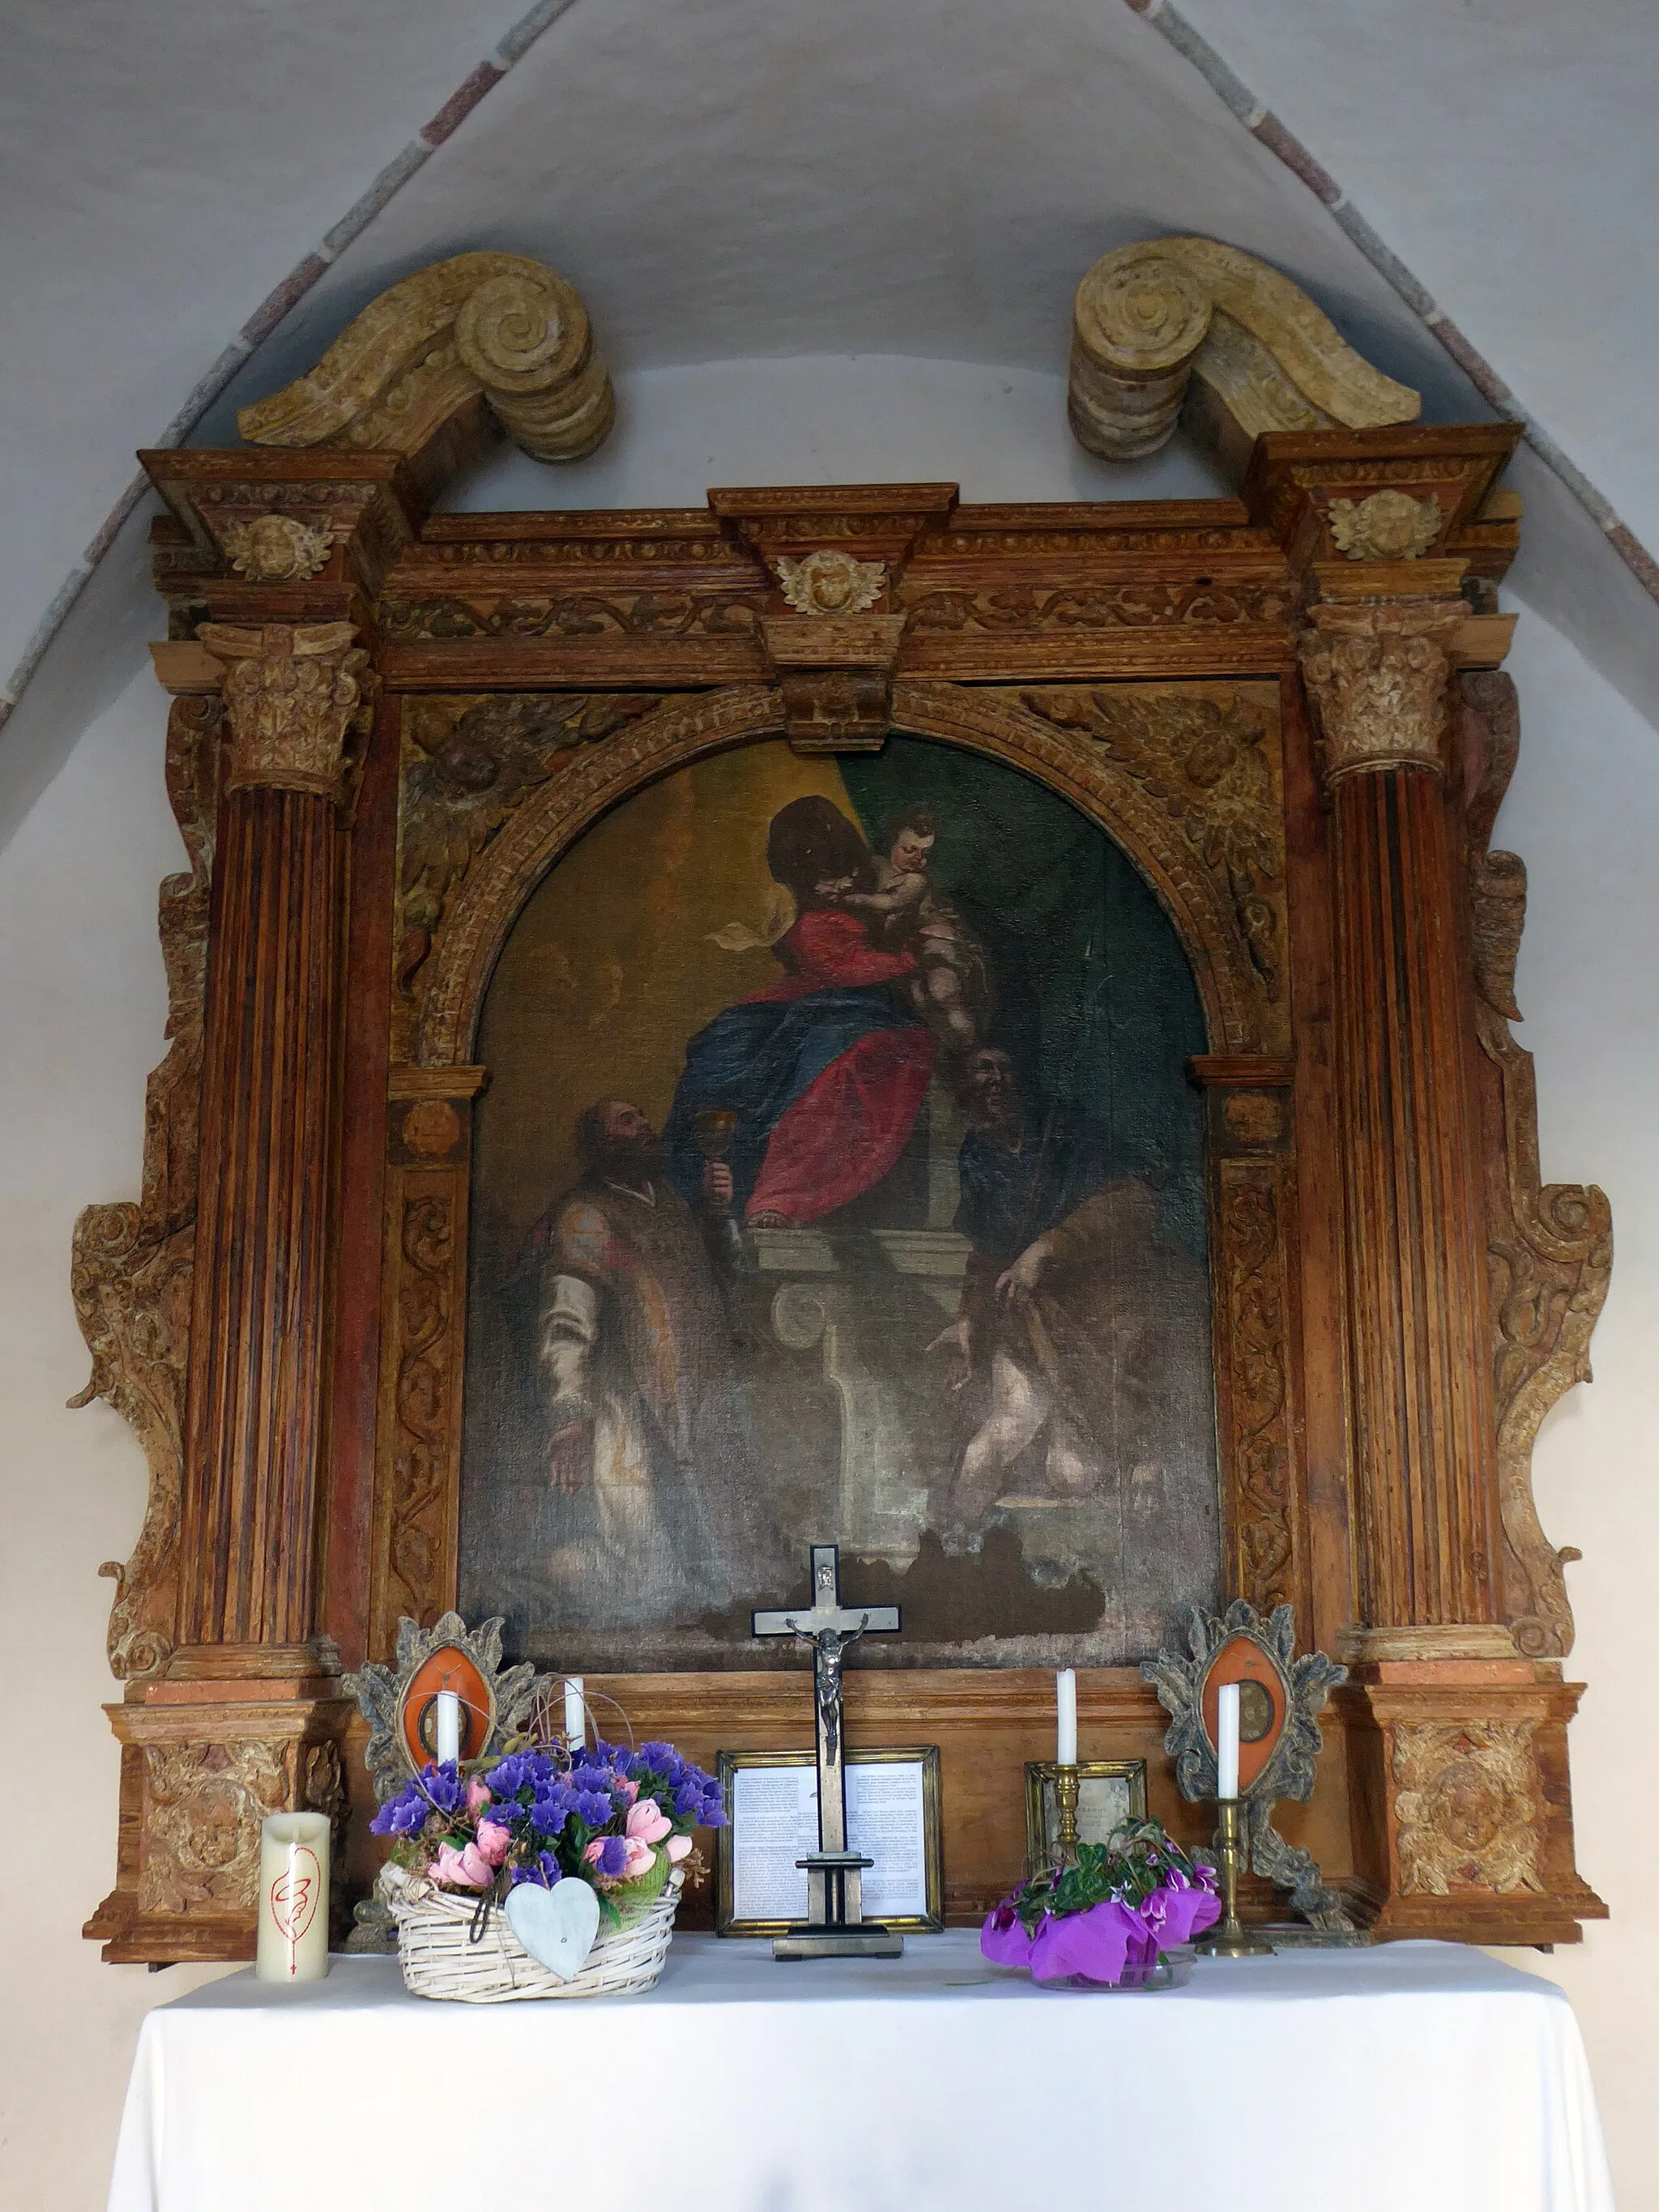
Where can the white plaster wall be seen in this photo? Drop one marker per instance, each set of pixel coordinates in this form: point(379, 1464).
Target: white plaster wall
point(81, 1013)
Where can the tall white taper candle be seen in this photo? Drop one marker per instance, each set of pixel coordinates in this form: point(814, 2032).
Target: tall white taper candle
point(449, 1726)
point(293, 1939)
point(1065, 1702)
point(575, 1712)
point(1226, 1740)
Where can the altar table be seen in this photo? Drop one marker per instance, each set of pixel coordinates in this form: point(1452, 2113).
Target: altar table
point(1415, 2077)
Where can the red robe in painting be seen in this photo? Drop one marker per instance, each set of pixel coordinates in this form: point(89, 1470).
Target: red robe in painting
point(826, 1069)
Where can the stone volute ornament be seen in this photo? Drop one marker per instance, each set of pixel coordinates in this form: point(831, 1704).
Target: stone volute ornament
point(276, 549)
point(1377, 672)
point(291, 695)
point(480, 330)
point(1389, 525)
point(830, 583)
point(1185, 322)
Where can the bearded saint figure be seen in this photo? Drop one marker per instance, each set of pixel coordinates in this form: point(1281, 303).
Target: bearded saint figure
point(633, 1340)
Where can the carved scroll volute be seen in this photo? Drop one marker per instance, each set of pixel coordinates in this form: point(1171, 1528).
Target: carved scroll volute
point(1174, 321)
point(1423, 1469)
point(1549, 1245)
point(1252, 1169)
point(408, 373)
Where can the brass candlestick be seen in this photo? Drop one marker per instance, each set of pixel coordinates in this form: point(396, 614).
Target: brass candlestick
point(1065, 1801)
point(1229, 1938)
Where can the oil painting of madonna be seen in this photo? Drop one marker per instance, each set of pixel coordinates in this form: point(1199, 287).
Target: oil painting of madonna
point(839, 1180)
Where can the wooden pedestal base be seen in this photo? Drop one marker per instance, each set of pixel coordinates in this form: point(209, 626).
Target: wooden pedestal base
point(203, 1762)
point(1460, 1769)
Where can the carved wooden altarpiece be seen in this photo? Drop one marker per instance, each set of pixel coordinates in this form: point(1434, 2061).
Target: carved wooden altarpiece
point(1285, 706)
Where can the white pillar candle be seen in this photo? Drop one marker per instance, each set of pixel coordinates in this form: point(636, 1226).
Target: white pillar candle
point(449, 1726)
point(293, 1944)
point(1065, 1704)
point(1226, 1740)
point(575, 1712)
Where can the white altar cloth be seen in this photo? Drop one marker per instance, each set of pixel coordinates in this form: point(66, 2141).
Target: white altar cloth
point(1415, 2077)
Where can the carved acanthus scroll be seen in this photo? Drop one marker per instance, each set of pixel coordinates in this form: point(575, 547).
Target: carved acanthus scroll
point(1211, 765)
point(131, 1271)
point(1550, 1245)
point(1187, 320)
point(479, 328)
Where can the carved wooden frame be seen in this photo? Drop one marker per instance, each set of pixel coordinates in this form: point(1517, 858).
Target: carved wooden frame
point(1235, 690)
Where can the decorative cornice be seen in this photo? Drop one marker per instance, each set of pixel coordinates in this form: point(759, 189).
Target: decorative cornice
point(290, 696)
point(1377, 673)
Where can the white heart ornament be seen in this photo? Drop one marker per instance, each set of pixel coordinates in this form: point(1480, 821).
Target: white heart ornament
point(556, 1926)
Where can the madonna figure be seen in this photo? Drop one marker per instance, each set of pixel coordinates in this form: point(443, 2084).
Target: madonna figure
point(826, 1069)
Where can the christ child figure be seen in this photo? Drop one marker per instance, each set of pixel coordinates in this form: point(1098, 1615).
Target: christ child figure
point(906, 911)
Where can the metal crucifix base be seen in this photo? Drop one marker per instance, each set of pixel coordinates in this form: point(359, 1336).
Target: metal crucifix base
point(834, 1927)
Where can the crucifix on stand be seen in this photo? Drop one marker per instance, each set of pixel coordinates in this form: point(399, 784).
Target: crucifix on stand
point(835, 1926)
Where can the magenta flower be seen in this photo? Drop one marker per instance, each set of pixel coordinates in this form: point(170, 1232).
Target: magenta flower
point(1002, 1940)
point(1175, 1915)
point(1096, 1944)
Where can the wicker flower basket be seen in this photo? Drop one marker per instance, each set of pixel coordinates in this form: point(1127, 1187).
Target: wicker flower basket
point(440, 1959)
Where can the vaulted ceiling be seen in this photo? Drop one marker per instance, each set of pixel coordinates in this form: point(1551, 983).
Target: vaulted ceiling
point(745, 179)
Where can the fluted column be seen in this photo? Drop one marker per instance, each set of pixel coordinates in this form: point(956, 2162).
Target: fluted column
point(1424, 1450)
point(254, 1433)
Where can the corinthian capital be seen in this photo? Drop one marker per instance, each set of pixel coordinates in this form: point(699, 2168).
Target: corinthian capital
point(1377, 673)
point(290, 694)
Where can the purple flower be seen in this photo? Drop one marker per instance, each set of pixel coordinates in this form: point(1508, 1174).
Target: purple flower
point(549, 1815)
point(520, 1769)
point(594, 1806)
point(435, 1788)
point(443, 1786)
point(688, 1802)
point(612, 1856)
point(543, 1868)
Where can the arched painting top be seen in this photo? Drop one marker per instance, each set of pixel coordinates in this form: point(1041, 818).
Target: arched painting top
point(1183, 778)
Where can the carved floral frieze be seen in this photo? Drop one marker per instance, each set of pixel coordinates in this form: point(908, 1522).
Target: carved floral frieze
point(656, 613)
point(1026, 611)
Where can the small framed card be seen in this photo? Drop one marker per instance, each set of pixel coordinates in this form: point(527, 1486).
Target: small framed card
point(1110, 1792)
point(892, 1817)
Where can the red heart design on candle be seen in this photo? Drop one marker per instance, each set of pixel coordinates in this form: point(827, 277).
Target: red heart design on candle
point(294, 1894)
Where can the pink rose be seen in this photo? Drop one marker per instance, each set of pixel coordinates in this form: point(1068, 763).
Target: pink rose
point(477, 1796)
point(493, 1840)
point(467, 1868)
point(679, 1848)
point(647, 1821)
point(640, 1860)
point(629, 1790)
